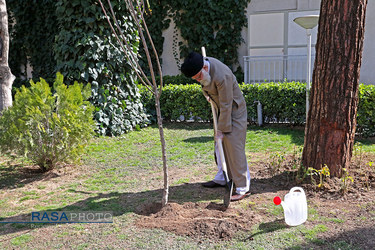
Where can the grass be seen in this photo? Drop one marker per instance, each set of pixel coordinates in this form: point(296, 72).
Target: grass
point(21, 240)
point(120, 174)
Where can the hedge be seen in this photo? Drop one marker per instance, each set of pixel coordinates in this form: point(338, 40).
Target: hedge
point(366, 110)
point(281, 103)
point(176, 80)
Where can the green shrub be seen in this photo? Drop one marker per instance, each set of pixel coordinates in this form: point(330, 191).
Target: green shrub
point(48, 128)
point(366, 110)
point(176, 101)
point(175, 80)
point(281, 103)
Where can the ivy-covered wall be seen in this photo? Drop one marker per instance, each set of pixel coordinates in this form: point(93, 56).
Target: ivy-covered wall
point(33, 27)
point(86, 49)
point(73, 37)
point(217, 25)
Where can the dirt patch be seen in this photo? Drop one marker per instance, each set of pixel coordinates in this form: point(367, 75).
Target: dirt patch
point(197, 220)
point(212, 221)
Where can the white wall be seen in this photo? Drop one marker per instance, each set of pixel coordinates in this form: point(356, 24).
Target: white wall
point(272, 30)
point(170, 66)
point(266, 28)
point(368, 55)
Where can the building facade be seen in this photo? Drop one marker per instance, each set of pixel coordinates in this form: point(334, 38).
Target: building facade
point(276, 45)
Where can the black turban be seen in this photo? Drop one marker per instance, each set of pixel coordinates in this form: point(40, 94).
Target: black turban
point(192, 65)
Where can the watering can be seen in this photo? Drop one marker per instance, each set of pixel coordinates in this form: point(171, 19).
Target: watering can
point(294, 205)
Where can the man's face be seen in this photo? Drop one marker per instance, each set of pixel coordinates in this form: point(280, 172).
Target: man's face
point(203, 76)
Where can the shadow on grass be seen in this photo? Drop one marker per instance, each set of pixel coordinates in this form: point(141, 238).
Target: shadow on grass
point(15, 176)
point(185, 125)
point(365, 141)
point(360, 238)
point(297, 134)
point(268, 227)
point(123, 203)
point(118, 203)
point(200, 139)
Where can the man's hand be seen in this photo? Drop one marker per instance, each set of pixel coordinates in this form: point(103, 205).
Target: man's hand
point(219, 135)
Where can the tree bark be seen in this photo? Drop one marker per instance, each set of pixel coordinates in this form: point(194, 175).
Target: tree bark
point(6, 76)
point(163, 149)
point(331, 122)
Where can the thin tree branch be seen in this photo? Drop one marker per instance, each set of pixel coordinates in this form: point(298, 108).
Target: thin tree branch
point(131, 60)
point(133, 13)
point(153, 46)
point(127, 45)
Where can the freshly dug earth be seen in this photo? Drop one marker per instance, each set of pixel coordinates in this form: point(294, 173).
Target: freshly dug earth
point(209, 220)
point(354, 206)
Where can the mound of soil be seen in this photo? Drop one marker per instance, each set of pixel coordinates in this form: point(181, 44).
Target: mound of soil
point(212, 221)
point(197, 220)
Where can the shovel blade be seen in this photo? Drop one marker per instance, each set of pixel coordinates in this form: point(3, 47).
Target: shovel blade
point(228, 193)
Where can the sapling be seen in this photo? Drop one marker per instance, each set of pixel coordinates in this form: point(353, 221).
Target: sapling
point(137, 9)
point(277, 160)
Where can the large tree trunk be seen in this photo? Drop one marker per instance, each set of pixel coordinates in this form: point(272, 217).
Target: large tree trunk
point(6, 76)
point(331, 122)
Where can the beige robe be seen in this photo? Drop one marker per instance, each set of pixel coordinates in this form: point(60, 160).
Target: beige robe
point(232, 121)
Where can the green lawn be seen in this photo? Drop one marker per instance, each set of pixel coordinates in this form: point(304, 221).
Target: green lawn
point(119, 174)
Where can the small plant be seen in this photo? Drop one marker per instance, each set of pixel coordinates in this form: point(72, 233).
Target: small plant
point(345, 179)
point(366, 174)
point(296, 163)
point(371, 164)
point(48, 128)
point(358, 153)
point(301, 174)
point(312, 172)
point(322, 173)
point(276, 162)
point(296, 158)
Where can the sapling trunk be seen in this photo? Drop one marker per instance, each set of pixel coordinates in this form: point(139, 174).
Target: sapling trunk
point(164, 154)
point(137, 16)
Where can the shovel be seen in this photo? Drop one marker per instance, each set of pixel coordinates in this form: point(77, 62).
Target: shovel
point(229, 183)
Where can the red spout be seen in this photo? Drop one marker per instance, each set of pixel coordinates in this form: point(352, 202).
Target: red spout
point(277, 200)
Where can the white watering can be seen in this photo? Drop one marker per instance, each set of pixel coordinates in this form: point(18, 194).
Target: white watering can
point(294, 205)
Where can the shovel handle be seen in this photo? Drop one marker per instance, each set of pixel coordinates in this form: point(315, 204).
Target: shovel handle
point(214, 115)
point(219, 142)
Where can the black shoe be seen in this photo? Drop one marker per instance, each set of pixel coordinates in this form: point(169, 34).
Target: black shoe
point(237, 197)
point(211, 184)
